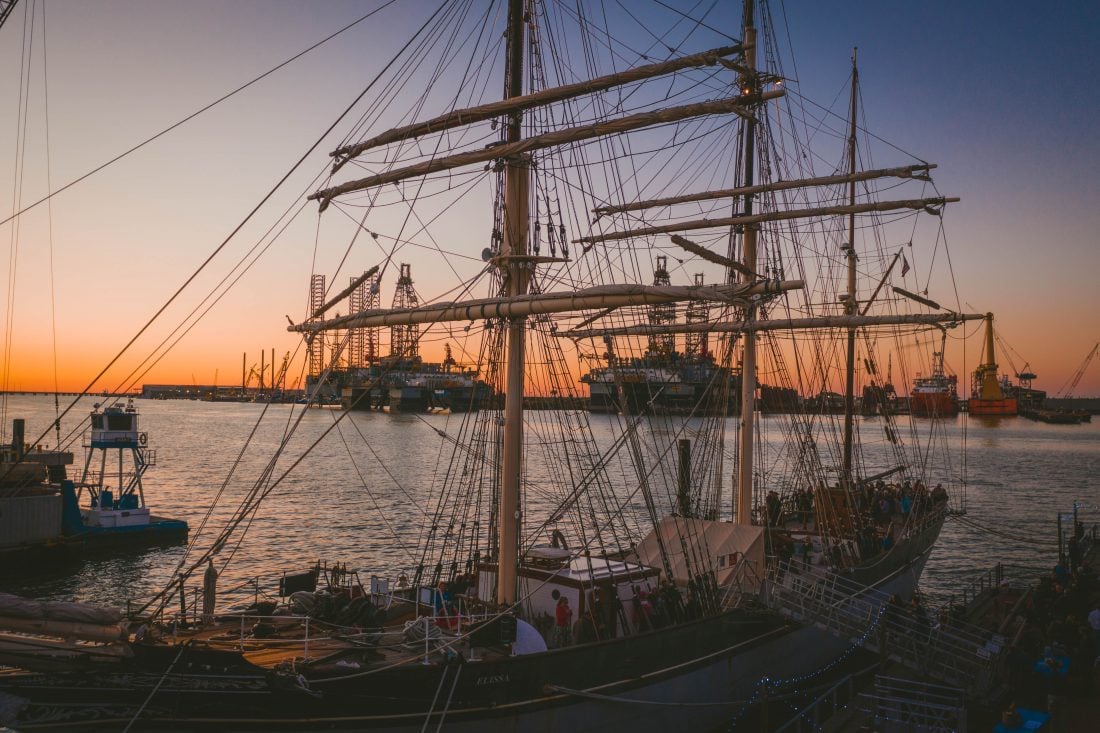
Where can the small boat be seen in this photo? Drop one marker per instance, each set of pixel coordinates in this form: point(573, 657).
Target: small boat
point(1056, 416)
point(117, 515)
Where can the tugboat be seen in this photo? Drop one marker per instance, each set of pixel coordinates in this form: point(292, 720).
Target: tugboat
point(935, 395)
point(117, 516)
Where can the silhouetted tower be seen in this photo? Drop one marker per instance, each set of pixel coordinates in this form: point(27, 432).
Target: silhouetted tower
point(404, 339)
point(663, 314)
point(374, 344)
point(695, 342)
point(317, 341)
point(363, 344)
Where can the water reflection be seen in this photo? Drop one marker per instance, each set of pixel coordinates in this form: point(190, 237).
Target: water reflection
point(362, 505)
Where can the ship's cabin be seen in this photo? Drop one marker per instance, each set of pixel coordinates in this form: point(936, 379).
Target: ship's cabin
point(115, 426)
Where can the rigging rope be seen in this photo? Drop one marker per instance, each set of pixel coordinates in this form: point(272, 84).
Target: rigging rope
point(156, 687)
point(194, 275)
point(195, 114)
point(1000, 533)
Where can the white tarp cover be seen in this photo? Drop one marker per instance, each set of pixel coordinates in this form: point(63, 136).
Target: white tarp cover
point(528, 639)
point(734, 551)
point(18, 607)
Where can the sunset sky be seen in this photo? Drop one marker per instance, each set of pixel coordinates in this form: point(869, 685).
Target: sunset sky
point(1003, 96)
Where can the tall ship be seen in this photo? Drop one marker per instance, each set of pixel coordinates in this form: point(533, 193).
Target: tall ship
point(991, 394)
point(935, 395)
point(560, 577)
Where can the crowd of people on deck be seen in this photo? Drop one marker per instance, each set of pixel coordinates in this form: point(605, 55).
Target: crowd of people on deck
point(881, 507)
point(875, 500)
point(604, 615)
point(1059, 654)
point(881, 501)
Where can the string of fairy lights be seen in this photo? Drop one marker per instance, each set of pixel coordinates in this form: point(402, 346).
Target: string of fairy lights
point(769, 687)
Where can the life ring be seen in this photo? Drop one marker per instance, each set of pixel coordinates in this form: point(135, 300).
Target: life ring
point(143, 438)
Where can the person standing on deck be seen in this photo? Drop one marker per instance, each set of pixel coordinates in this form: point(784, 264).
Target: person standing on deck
point(774, 507)
point(563, 623)
point(444, 608)
point(805, 506)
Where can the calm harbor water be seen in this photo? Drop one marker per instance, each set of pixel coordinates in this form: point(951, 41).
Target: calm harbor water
point(1020, 475)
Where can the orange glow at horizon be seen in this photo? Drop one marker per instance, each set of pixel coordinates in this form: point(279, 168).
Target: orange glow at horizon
point(105, 255)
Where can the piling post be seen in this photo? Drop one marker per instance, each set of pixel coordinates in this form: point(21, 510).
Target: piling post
point(1060, 551)
point(183, 601)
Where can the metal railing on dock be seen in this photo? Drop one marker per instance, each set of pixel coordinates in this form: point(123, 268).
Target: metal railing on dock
point(907, 705)
point(982, 584)
point(825, 706)
point(955, 653)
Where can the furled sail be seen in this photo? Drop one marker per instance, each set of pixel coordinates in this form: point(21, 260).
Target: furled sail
point(605, 296)
point(488, 111)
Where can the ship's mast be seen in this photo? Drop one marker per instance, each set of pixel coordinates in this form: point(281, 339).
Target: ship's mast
point(850, 305)
point(743, 509)
point(516, 275)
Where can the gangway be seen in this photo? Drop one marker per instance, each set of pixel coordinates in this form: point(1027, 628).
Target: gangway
point(955, 653)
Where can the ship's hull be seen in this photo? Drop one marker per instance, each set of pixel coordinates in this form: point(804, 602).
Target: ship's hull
point(696, 675)
point(47, 526)
point(1056, 417)
point(417, 399)
point(933, 404)
point(1007, 406)
point(658, 398)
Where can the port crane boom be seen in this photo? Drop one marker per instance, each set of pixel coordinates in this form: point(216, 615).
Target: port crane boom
point(1068, 391)
point(6, 6)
